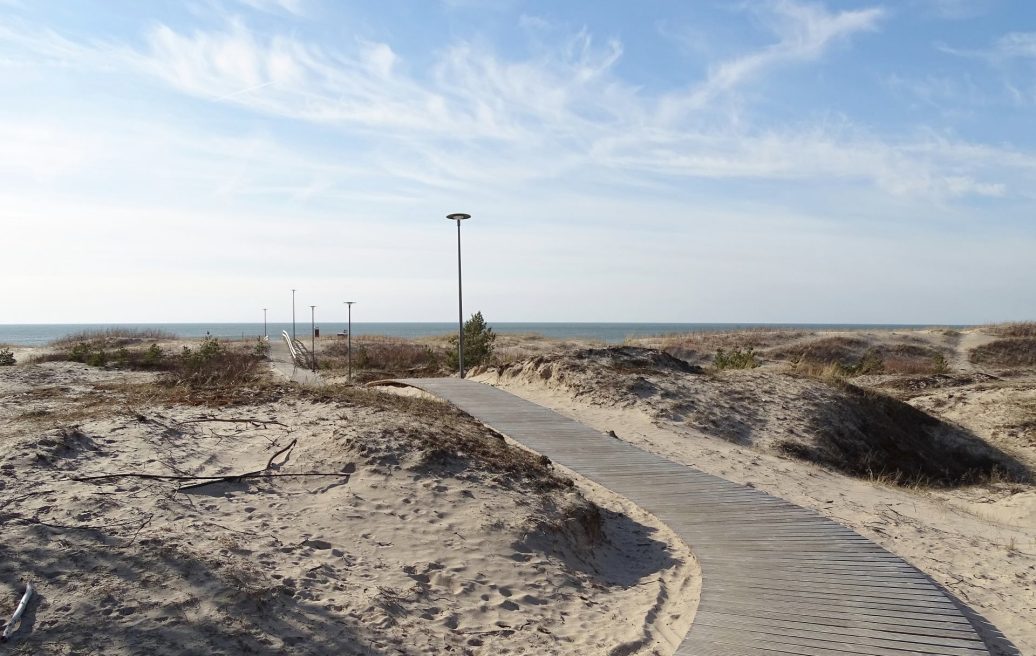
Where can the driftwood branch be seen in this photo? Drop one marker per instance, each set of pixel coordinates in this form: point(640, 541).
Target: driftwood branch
point(232, 477)
point(255, 474)
point(244, 420)
point(201, 481)
point(22, 605)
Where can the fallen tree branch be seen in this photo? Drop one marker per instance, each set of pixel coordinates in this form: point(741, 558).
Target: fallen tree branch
point(190, 477)
point(255, 474)
point(262, 473)
point(244, 420)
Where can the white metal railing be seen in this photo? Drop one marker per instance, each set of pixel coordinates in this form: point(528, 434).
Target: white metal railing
point(300, 355)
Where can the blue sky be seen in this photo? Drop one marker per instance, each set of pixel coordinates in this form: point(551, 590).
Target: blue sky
point(781, 161)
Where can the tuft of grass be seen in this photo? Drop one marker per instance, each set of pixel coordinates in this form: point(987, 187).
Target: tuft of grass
point(377, 357)
point(1007, 352)
point(846, 351)
point(1014, 329)
point(735, 359)
point(7, 358)
point(841, 357)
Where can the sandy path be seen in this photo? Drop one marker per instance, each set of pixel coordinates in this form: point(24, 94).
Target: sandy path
point(969, 340)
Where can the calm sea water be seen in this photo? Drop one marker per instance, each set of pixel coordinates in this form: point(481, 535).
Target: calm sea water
point(39, 334)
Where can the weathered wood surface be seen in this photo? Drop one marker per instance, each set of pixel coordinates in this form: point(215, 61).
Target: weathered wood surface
point(778, 579)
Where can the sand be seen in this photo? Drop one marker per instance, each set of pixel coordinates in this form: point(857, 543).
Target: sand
point(396, 550)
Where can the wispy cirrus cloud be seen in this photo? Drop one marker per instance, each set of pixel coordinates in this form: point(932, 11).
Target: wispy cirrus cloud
point(804, 32)
point(295, 7)
point(562, 112)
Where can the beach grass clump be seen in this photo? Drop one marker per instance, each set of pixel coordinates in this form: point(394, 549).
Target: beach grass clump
point(1008, 352)
point(214, 364)
point(7, 358)
point(838, 349)
point(376, 357)
point(842, 357)
point(735, 359)
point(1013, 329)
point(112, 337)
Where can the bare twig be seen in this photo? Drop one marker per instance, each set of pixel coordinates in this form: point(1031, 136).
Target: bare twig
point(133, 538)
point(291, 445)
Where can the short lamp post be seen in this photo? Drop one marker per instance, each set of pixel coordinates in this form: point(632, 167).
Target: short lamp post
point(460, 295)
point(313, 336)
point(349, 336)
point(266, 333)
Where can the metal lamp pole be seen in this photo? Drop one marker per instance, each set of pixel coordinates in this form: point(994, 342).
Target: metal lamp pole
point(266, 333)
point(313, 335)
point(460, 295)
point(349, 336)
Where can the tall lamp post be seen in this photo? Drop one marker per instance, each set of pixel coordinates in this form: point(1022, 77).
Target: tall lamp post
point(266, 333)
point(460, 295)
point(349, 336)
point(293, 314)
point(313, 335)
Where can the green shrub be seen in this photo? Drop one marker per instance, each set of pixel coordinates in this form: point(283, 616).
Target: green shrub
point(97, 358)
point(735, 359)
point(261, 348)
point(152, 357)
point(479, 341)
point(6, 357)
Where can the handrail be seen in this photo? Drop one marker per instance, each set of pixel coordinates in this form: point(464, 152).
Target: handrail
point(300, 356)
point(291, 347)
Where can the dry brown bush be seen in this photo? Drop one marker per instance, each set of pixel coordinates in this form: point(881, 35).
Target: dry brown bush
point(1009, 352)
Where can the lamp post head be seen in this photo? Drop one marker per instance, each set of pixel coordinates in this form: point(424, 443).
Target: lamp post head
point(460, 216)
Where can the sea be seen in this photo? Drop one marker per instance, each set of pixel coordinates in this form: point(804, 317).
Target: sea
point(612, 333)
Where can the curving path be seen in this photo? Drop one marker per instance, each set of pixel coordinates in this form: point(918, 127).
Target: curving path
point(778, 579)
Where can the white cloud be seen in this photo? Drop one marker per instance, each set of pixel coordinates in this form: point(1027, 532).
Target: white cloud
point(472, 118)
point(953, 9)
point(1010, 46)
point(804, 32)
point(1016, 44)
point(276, 6)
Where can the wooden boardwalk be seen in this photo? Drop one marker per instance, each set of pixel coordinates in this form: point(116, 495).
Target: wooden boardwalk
point(778, 579)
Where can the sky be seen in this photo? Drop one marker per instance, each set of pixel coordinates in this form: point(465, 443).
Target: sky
point(758, 161)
